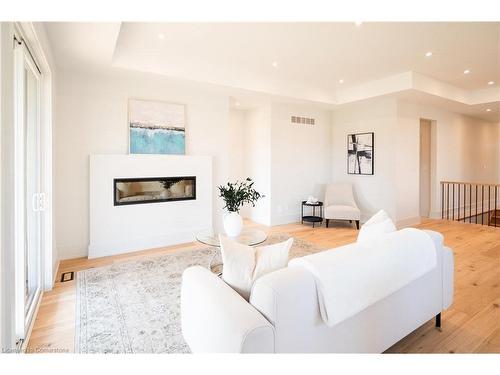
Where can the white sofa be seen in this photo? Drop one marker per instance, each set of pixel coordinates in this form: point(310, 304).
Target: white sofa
point(283, 313)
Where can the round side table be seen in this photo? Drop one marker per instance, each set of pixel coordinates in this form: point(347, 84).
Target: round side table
point(315, 217)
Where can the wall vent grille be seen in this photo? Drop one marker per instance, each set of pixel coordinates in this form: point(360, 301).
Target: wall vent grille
point(302, 120)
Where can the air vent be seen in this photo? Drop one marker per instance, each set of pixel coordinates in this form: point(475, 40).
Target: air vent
point(67, 276)
point(302, 120)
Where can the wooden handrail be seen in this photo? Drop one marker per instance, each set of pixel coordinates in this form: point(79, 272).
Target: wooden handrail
point(468, 183)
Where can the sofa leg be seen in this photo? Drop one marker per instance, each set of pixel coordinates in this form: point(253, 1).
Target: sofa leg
point(438, 320)
point(327, 221)
point(357, 224)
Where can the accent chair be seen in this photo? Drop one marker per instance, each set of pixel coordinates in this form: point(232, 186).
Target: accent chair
point(340, 204)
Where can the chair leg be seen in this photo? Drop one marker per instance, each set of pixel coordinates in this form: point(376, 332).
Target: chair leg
point(357, 224)
point(327, 221)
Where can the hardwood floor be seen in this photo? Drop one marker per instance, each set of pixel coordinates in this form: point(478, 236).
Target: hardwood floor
point(472, 324)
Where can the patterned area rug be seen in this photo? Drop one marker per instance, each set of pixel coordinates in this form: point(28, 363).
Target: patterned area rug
point(134, 306)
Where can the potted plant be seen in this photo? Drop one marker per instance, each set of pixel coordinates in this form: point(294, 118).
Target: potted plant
point(235, 195)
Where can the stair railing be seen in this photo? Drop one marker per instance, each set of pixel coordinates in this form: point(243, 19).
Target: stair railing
point(471, 202)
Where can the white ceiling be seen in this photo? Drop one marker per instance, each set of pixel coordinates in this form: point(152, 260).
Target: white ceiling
point(372, 59)
point(82, 45)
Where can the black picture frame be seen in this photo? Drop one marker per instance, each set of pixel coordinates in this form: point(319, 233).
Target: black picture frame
point(364, 153)
point(144, 179)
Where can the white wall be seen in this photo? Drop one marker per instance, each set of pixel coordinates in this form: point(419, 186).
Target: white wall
point(407, 163)
point(238, 151)
point(236, 136)
point(300, 159)
point(257, 160)
point(92, 119)
point(466, 149)
point(288, 162)
point(375, 192)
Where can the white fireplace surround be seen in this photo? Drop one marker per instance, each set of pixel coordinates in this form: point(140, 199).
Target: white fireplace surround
point(121, 229)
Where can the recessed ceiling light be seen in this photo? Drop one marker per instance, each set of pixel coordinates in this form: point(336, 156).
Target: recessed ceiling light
point(237, 104)
point(161, 36)
point(488, 109)
point(491, 83)
point(358, 23)
point(428, 54)
point(466, 71)
point(341, 81)
point(275, 64)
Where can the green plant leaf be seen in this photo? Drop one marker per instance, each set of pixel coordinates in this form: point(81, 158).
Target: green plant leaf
point(236, 194)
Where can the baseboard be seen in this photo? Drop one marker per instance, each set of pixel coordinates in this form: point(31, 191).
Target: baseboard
point(56, 271)
point(435, 214)
point(286, 219)
point(102, 249)
point(71, 252)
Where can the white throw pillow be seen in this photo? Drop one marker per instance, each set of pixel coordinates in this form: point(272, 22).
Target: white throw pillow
point(379, 224)
point(378, 218)
point(239, 263)
point(243, 264)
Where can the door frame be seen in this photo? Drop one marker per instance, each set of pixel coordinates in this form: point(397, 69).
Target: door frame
point(26, 32)
point(434, 185)
point(428, 192)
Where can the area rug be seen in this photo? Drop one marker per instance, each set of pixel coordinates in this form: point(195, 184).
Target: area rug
point(134, 306)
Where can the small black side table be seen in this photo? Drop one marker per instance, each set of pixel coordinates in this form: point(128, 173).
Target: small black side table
point(314, 218)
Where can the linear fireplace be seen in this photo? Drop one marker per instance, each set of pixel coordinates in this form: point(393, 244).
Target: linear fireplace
point(153, 190)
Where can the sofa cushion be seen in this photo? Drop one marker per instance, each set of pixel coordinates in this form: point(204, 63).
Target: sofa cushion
point(379, 224)
point(244, 264)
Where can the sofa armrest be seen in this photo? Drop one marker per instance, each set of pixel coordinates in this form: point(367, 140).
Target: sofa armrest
point(436, 237)
point(216, 319)
point(448, 276)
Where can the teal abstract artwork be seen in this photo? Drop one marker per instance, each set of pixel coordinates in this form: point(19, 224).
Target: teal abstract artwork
point(156, 127)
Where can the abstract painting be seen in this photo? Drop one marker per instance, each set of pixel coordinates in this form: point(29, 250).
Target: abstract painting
point(156, 127)
point(360, 153)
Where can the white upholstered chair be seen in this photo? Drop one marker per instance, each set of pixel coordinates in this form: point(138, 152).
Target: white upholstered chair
point(339, 204)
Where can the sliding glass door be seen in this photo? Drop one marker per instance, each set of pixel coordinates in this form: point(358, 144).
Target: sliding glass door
point(29, 201)
point(32, 188)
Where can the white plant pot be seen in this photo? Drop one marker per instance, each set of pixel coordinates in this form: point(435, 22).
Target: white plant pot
point(233, 223)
